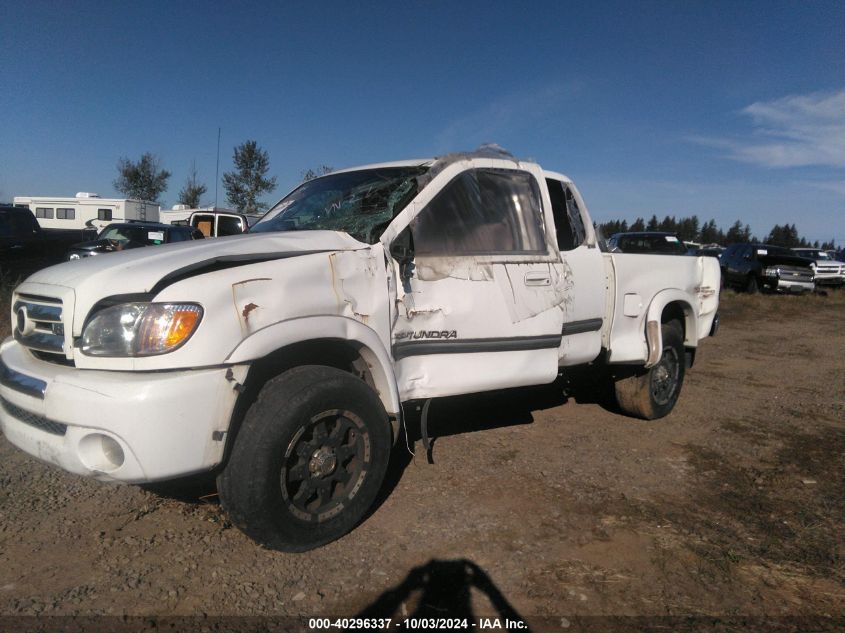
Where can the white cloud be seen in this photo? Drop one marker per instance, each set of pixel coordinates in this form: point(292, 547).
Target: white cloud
point(794, 131)
point(836, 186)
point(503, 116)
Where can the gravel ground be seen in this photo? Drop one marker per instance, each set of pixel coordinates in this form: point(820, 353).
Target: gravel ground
point(538, 504)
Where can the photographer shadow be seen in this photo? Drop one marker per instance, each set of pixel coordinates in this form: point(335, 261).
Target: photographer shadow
point(441, 589)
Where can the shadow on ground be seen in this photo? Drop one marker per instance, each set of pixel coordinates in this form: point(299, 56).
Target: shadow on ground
point(441, 589)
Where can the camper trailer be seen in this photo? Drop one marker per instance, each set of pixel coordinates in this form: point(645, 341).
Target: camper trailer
point(178, 214)
point(86, 211)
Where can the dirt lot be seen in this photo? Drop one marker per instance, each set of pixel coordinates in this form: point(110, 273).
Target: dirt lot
point(536, 505)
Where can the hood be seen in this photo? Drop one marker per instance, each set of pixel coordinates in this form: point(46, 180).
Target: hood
point(143, 270)
point(828, 262)
point(103, 246)
point(786, 260)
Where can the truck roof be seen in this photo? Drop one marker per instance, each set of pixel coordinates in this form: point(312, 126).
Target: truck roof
point(418, 162)
point(425, 162)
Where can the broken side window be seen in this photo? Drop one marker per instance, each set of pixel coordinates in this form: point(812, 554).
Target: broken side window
point(563, 227)
point(578, 231)
point(482, 212)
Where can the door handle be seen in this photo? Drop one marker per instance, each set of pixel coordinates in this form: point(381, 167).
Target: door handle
point(538, 279)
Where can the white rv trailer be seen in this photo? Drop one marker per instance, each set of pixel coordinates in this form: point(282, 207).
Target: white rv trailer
point(86, 211)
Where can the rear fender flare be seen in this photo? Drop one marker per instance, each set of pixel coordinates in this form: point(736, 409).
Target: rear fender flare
point(654, 319)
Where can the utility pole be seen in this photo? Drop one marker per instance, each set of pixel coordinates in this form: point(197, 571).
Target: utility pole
point(217, 173)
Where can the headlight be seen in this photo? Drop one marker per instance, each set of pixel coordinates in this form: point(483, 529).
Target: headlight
point(140, 329)
point(772, 272)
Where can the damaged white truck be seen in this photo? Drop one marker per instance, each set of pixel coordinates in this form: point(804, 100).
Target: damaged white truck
point(281, 359)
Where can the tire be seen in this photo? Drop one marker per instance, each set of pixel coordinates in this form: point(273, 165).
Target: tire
point(652, 393)
point(751, 286)
point(308, 460)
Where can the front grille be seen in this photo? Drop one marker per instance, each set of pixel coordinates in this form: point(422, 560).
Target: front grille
point(33, 419)
point(38, 325)
point(795, 273)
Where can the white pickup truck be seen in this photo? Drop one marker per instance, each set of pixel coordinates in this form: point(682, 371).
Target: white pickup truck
point(280, 359)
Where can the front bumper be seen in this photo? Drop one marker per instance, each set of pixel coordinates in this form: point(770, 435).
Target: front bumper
point(133, 427)
point(829, 280)
point(795, 286)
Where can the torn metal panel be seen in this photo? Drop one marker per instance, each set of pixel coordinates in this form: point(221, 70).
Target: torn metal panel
point(248, 296)
point(354, 276)
point(488, 150)
point(469, 268)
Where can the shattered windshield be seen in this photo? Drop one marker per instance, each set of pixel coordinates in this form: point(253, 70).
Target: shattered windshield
point(361, 203)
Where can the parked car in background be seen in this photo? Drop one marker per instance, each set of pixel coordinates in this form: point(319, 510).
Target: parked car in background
point(121, 237)
point(24, 246)
point(829, 271)
point(647, 242)
point(755, 267)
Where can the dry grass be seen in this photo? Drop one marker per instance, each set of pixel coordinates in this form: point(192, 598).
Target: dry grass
point(743, 306)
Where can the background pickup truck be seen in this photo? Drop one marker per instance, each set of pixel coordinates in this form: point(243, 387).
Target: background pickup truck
point(216, 223)
point(25, 247)
point(280, 359)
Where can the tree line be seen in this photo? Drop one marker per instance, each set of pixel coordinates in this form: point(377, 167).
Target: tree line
point(145, 179)
point(692, 230)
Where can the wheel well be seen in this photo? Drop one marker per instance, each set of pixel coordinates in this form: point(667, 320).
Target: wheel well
point(674, 311)
point(680, 312)
point(338, 353)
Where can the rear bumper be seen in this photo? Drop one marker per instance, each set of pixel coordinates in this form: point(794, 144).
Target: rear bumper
point(133, 427)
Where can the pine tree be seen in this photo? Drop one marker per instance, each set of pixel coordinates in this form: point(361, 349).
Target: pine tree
point(143, 180)
point(736, 234)
point(193, 190)
point(244, 185)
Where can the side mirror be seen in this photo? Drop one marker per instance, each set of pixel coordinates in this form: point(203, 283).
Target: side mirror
point(402, 248)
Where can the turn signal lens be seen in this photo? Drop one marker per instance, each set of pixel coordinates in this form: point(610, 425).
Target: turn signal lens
point(165, 326)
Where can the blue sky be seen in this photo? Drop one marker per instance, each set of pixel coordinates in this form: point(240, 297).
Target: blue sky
point(728, 110)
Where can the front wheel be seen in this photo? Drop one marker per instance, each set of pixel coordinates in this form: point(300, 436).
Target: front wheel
point(308, 461)
point(652, 393)
point(751, 285)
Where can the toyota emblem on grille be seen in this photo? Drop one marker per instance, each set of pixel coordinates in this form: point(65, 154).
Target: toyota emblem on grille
point(25, 325)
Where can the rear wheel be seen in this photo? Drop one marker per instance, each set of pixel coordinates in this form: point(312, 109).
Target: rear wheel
point(652, 393)
point(308, 461)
